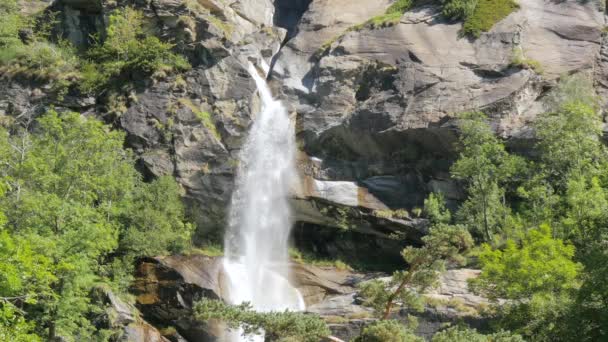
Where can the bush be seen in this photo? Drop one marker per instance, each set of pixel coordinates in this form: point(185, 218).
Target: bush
point(277, 326)
point(155, 210)
point(127, 50)
point(460, 334)
point(458, 9)
point(387, 331)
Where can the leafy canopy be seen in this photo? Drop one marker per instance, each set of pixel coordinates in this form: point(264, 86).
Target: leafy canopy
point(276, 326)
point(387, 331)
point(72, 204)
point(539, 264)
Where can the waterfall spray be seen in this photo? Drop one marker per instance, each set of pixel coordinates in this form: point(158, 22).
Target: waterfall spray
point(256, 243)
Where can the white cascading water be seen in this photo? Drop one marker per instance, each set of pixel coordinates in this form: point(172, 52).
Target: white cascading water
point(256, 244)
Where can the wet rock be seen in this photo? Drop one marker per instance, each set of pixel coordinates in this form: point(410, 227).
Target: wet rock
point(124, 319)
point(316, 283)
point(166, 288)
point(142, 332)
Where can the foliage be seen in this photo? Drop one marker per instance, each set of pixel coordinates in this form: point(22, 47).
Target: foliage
point(443, 243)
point(458, 9)
point(588, 316)
point(12, 22)
point(128, 50)
point(13, 327)
point(538, 277)
point(209, 249)
point(541, 264)
point(42, 60)
point(460, 334)
point(573, 88)
point(486, 14)
point(485, 167)
point(568, 142)
point(73, 196)
point(543, 317)
point(277, 326)
point(435, 209)
point(156, 209)
point(387, 331)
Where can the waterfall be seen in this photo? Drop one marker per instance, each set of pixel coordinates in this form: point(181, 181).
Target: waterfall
point(256, 243)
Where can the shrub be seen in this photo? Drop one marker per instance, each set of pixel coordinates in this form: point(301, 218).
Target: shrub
point(55, 64)
point(277, 326)
point(458, 9)
point(387, 331)
point(460, 334)
point(127, 50)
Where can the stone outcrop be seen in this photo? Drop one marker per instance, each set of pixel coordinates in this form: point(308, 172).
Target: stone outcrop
point(374, 112)
point(125, 320)
point(166, 288)
point(449, 303)
point(373, 106)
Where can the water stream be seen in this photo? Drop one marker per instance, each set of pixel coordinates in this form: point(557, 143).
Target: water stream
point(256, 243)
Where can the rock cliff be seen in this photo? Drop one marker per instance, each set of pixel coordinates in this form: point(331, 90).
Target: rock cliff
point(374, 109)
point(374, 106)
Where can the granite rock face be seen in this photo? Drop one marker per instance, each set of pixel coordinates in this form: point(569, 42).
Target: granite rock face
point(374, 107)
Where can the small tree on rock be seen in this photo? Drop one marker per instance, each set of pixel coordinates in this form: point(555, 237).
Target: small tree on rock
point(445, 242)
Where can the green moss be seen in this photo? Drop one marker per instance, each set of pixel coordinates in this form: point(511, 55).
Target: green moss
point(390, 17)
point(211, 250)
point(309, 259)
point(203, 116)
point(224, 26)
point(486, 14)
point(388, 213)
point(519, 60)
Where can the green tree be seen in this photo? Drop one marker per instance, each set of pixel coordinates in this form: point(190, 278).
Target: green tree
point(569, 143)
point(537, 275)
point(73, 200)
point(435, 209)
point(425, 263)
point(586, 210)
point(155, 209)
point(387, 331)
point(539, 264)
point(461, 334)
point(13, 327)
point(485, 167)
point(276, 326)
point(588, 316)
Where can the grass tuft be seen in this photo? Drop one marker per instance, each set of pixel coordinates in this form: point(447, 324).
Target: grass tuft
point(203, 116)
point(486, 14)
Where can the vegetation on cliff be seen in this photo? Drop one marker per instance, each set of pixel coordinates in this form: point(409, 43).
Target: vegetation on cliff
point(477, 15)
point(540, 224)
point(75, 214)
point(124, 52)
